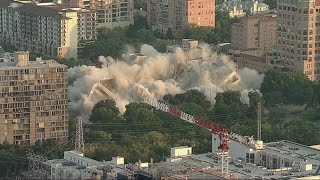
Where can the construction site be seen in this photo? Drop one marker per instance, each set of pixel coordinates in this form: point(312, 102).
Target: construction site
point(233, 157)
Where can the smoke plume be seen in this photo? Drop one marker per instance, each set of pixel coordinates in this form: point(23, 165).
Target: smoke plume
point(158, 74)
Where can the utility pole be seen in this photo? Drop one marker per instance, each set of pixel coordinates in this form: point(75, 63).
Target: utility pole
point(79, 143)
point(259, 121)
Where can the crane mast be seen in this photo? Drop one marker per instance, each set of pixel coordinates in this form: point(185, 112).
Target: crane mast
point(221, 130)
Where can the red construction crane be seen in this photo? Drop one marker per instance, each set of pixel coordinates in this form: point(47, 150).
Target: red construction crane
point(221, 130)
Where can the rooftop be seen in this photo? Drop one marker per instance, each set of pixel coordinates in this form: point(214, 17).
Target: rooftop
point(32, 65)
point(250, 58)
point(205, 166)
point(10, 61)
point(38, 10)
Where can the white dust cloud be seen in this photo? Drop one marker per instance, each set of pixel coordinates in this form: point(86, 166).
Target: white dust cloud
point(157, 75)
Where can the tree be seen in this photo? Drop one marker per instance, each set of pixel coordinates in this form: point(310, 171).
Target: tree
point(169, 34)
point(140, 21)
point(140, 4)
point(105, 111)
point(255, 98)
point(191, 96)
point(272, 3)
point(9, 48)
point(286, 87)
point(98, 136)
point(228, 106)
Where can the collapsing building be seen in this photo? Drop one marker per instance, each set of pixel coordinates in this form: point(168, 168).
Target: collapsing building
point(102, 90)
point(220, 72)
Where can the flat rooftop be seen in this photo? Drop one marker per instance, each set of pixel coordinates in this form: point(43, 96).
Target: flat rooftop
point(31, 65)
point(205, 166)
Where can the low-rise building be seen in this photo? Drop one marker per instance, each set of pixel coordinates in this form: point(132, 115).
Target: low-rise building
point(276, 160)
point(253, 62)
point(76, 166)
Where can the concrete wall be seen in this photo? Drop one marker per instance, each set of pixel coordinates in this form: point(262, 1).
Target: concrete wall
point(78, 158)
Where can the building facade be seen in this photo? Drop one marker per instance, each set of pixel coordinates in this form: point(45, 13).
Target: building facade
point(47, 28)
point(178, 14)
point(110, 13)
point(298, 30)
point(87, 28)
point(254, 35)
point(40, 30)
point(33, 100)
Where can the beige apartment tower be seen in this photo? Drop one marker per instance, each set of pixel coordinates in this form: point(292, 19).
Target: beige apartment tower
point(298, 38)
point(110, 13)
point(33, 100)
point(47, 29)
point(254, 35)
point(178, 14)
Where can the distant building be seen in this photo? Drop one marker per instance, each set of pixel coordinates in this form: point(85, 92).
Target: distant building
point(46, 28)
point(253, 62)
point(110, 13)
point(33, 100)
point(178, 14)
point(254, 35)
point(298, 30)
point(189, 46)
point(238, 8)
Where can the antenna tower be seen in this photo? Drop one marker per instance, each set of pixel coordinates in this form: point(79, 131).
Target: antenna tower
point(259, 121)
point(79, 143)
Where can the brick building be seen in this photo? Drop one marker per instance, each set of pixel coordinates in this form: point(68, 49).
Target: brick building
point(178, 14)
point(254, 35)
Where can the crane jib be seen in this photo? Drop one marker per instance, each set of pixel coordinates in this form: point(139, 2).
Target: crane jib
point(212, 126)
point(174, 111)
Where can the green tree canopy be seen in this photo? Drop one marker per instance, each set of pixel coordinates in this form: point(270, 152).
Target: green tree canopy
point(191, 96)
point(105, 111)
point(286, 87)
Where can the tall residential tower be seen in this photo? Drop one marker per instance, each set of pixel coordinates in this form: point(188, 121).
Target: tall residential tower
point(33, 99)
point(298, 35)
point(110, 13)
point(178, 14)
point(48, 29)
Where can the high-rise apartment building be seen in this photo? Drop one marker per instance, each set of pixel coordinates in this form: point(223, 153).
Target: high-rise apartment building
point(298, 35)
point(256, 34)
point(33, 100)
point(110, 13)
point(87, 28)
point(46, 28)
point(178, 14)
